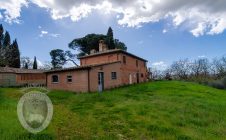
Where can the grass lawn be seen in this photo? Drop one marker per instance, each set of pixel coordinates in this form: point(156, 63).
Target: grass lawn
point(157, 110)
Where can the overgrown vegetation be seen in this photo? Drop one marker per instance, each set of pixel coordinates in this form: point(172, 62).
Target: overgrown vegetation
point(157, 110)
point(212, 73)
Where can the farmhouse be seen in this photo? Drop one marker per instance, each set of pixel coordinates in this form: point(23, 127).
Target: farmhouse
point(102, 69)
point(21, 77)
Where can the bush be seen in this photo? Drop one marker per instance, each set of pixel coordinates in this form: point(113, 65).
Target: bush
point(224, 81)
point(217, 84)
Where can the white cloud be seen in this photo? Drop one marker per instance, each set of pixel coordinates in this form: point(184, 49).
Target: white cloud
point(200, 17)
point(1, 16)
point(159, 65)
point(202, 56)
point(11, 9)
point(46, 33)
point(55, 35)
point(164, 31)
point(43, 33)
point(40, 27)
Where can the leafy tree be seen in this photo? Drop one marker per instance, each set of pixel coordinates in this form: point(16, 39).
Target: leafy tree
point(46, 65)
point(91, 41)
point(83, 46)
point(120, 45)
point(58, 58)
point(26, 61)
point(71, 57)
point(86, 44)
point(35, 65)
point(181, 69)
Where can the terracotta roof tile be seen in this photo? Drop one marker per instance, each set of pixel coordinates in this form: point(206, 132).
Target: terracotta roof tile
point(81, 67)
point(112, 51)
point(18, 70)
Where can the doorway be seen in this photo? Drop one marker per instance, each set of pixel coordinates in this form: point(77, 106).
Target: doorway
point(100, 81)
point(138, 78)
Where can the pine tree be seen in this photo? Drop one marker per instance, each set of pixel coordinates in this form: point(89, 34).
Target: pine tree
point(35, 65)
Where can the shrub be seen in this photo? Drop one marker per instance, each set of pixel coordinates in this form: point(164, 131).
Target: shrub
point(224, 81)
point(217, 84)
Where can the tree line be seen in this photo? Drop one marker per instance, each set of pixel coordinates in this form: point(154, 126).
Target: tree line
point(28, 63)
point(202, 70)
point(9, 52)
point(83, 46)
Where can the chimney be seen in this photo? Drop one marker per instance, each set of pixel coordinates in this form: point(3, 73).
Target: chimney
point(102, 46)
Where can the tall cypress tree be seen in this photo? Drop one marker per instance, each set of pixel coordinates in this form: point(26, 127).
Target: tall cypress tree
point(26, 66)
point(1, 44)
point(9, 53)
point(1, 35)
point(7, 40)
point(110, 39)
point(15, 55)
point(110, 32)
point(35, 65)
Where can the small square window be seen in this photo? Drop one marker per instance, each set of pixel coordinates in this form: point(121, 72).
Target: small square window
point(55, 79)
point(69, 78)
point(142, 75)
point(113, 75)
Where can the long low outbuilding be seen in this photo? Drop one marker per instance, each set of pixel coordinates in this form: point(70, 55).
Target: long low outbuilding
point(10, 77)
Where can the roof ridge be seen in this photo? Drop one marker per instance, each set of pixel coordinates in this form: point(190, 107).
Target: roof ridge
point(110, 51)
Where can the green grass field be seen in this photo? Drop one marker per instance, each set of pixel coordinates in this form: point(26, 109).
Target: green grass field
point(157, 110)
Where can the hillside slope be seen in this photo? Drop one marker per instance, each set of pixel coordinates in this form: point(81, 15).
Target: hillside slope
point(157, 110)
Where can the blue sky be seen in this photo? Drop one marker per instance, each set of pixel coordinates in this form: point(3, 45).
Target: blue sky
point(161, 41)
